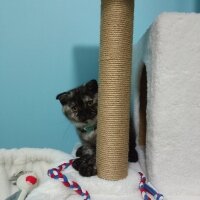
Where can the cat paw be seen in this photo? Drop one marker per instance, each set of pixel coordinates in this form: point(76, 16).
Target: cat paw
point(133, 156)
point(79, 152)
point(87, 171)
point(85, 150)
point(86, 165)
point(77, 163)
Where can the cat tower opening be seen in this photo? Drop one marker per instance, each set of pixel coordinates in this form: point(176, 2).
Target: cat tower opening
point(142, 106)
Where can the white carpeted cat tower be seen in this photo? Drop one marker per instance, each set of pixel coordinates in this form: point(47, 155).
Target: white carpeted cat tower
point(167, 65)
point(166, 93)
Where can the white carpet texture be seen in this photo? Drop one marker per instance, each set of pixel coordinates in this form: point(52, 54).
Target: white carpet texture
point(170, 51)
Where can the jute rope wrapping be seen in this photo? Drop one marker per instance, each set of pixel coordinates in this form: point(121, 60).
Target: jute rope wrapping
point(114, 88)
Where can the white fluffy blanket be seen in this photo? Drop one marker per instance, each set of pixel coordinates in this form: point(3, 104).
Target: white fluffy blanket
point(40, 160)
point(26, 159)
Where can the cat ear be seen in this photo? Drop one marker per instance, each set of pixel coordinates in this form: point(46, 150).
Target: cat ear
point(63, 97)
point(92, 86)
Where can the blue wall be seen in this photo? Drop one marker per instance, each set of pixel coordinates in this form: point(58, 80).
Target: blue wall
point(47, 47)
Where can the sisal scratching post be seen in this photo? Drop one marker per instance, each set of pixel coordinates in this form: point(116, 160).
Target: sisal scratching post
point(114, 88)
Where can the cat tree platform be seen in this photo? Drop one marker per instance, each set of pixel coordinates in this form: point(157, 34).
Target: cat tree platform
point(39, 161)
point(166, 85)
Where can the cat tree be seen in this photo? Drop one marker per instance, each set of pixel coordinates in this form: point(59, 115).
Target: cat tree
point(114, 88)
point(167, 57)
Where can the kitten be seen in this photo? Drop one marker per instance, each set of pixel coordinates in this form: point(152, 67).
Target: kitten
point(80, 106)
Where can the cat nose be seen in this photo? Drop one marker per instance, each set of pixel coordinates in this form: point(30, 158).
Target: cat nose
point(82, 117)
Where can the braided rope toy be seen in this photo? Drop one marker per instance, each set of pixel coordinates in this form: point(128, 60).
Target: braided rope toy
point(147, 188)
point(55, 173)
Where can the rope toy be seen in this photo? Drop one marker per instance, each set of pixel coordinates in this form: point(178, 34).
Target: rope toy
point(147, 188)
point(55, 173)
point(148, 192)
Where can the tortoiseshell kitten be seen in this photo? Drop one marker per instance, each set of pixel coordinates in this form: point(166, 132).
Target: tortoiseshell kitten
point(80, 107)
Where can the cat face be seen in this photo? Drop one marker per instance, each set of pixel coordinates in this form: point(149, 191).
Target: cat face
point(80, 104)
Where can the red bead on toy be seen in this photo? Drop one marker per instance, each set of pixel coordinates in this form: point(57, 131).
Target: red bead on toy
point(31, 179)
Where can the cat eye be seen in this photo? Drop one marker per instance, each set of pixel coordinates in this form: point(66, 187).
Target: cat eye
point(75, 108)
point(89, 103)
